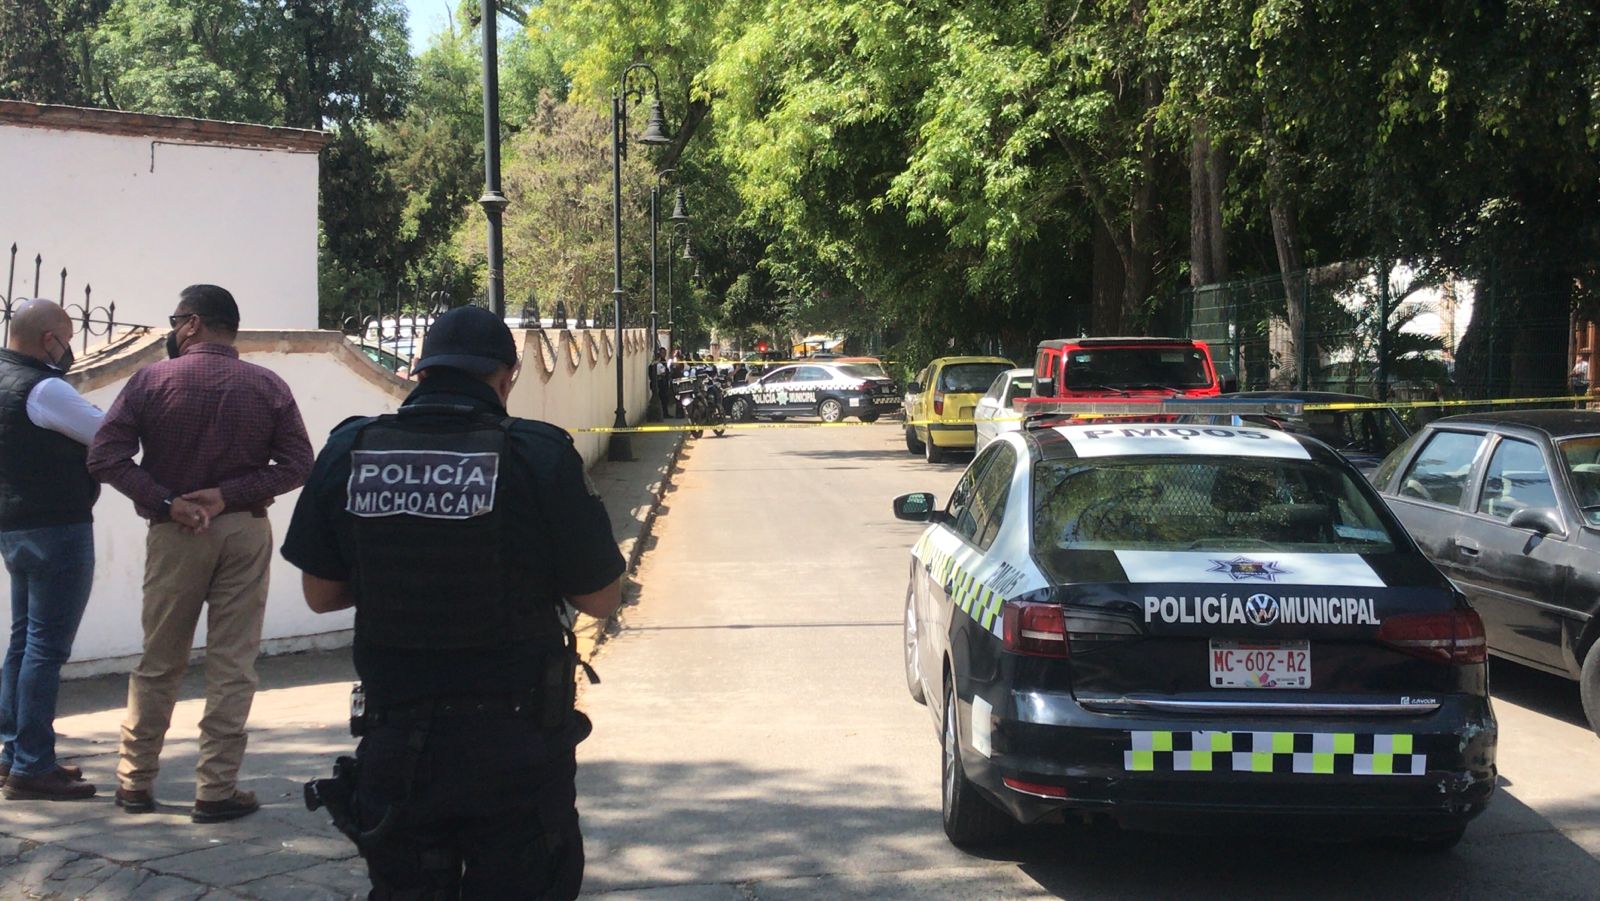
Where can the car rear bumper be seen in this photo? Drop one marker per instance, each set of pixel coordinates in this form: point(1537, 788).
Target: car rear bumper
point(953, 434)
point(1147, 771)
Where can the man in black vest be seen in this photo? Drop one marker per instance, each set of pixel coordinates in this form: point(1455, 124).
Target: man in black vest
point(456, 531)
point(47, 539)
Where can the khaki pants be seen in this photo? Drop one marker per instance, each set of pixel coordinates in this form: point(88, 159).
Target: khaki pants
point(225, 570)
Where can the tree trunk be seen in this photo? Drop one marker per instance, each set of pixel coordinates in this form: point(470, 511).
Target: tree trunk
point(1208, 251)
point(1518, 317)
point(1285, 218)
point(1106, 310)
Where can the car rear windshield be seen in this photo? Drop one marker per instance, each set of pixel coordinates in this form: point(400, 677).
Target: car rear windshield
point(863, 370)
point(970, 378)
point(1212, 503)
point(1135, 367)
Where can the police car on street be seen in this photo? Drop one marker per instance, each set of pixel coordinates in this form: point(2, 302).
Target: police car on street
point(1194, 625)
point(827, 390)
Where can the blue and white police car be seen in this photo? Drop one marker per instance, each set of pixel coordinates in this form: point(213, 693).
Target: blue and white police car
point(829, 391)
point(1190, 625)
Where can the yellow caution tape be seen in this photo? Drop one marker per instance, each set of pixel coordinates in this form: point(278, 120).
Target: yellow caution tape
point(885, 420)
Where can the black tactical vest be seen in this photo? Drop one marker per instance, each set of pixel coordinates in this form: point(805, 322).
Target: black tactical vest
point(43, 480)
point(437, 566)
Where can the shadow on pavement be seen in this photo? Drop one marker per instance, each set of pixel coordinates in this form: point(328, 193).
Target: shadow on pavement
point(1538, 691)
point(722, 822)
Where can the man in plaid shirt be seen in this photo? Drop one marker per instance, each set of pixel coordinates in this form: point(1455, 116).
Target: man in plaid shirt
point(221, 439)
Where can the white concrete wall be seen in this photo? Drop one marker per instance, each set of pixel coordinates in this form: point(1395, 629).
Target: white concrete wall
point(330, 381)
point(139, 219)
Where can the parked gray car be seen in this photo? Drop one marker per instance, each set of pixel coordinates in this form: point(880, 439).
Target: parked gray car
point(1508, 506)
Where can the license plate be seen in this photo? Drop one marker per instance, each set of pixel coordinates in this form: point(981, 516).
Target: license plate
point(1260, 664)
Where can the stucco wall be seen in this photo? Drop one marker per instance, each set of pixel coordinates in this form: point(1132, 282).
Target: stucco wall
point(568, 378)
point(138, 218)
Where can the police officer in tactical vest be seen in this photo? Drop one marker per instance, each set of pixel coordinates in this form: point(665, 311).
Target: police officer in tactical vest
point(456, 532)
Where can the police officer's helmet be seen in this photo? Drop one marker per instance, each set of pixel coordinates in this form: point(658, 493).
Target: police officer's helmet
point(470, 339)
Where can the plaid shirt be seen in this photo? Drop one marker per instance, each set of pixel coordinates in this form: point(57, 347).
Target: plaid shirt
point(205, 420)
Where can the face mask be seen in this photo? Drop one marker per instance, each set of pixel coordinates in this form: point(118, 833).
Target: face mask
point(63, 362)
point(173, 349)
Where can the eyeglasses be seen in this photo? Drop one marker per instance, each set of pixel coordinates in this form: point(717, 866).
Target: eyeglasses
point(176, 318)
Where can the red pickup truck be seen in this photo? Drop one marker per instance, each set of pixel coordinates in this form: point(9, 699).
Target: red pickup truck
point(1123, 369)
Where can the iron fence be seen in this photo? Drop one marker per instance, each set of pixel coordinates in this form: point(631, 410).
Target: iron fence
point(91, 320)
point(1388, 330)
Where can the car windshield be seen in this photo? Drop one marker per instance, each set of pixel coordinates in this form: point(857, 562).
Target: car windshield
point(1582, 459)
point(970, 378)
point(1136, 367)
point(862, 370)
point(1022, 387)
point(1190, 503)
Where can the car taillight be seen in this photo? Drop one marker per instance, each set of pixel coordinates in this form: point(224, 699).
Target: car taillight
point(1453, 637)
point(1034, 788)
point(938, 403)
point(1038, 630)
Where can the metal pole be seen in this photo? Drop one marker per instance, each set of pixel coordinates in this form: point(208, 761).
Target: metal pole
point(655, 331)
point(1383, 329)
point(621, 446)
point(492, 201)
point(672, 328)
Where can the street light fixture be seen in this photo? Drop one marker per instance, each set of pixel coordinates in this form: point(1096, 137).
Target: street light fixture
point(679, 216)
point(655, 134)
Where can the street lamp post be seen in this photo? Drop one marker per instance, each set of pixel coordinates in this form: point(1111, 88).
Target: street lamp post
point(493, 202)
point(655, 133)
point(680, 216)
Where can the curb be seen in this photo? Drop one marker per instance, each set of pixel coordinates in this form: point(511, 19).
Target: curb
point(593, 633)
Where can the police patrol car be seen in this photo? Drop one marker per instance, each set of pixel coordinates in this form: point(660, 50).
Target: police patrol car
point(829, 391)
point(1175, 622)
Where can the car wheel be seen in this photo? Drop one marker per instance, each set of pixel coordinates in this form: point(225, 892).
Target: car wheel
point(970, 819)
point(913, 444)
point(933, 453)
point(870, 416)
point(830, 410)
point(913, 680)
point(1435, 842)
point(743, 410)
point(1589, 686)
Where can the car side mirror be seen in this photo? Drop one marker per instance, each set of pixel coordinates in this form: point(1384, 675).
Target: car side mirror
point(918, 507)
point(913, 387)
point(1544, 520)
point(1044, 387)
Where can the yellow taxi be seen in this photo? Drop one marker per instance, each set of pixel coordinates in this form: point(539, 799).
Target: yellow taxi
point(939, 404)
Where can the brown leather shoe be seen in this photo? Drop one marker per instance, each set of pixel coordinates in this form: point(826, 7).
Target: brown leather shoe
point(73, 773)
point(136, 800)
point(52, 786)
point(242, 804)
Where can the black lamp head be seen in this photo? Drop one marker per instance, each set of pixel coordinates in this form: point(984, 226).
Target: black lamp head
point(688, 251)
point(680, 210)
point(655, 127)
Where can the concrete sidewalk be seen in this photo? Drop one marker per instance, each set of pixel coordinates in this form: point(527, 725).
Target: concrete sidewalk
point(90, 849)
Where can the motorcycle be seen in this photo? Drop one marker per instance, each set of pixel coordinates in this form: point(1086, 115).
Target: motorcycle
point(700, 396)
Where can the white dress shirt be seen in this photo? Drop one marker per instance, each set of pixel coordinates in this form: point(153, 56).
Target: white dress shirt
point(55, 405)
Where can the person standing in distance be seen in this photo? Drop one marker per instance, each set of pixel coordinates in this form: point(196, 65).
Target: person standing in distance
point(47, 539)
point(221, 439)
point(456, 531)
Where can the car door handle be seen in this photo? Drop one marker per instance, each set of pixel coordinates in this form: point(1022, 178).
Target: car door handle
point(1468, 547)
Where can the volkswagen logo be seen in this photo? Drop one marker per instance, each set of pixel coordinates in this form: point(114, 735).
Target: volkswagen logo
point(1261, 609)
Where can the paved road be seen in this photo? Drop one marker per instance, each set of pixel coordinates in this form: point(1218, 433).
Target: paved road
point(754, 738)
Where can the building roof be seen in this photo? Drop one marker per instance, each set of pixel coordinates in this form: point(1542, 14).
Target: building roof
point(167, 128)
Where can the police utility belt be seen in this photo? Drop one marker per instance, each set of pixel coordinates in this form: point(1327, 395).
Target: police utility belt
point(550, 710)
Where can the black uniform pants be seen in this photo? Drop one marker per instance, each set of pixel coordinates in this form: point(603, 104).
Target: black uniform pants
point(492, 811)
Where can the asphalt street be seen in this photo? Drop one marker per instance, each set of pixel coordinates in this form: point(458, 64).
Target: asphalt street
point(754, 738)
